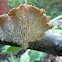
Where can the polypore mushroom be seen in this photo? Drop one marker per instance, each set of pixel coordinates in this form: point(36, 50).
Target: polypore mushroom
point(24, 24)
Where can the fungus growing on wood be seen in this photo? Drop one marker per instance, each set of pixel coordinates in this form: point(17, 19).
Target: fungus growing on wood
point(24, 24)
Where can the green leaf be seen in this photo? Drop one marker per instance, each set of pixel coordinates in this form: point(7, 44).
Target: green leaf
point(36, 55)
point(4, 48)
point(56, 30)
point(11, 60)
point(9, 49)
point(35, 61)
point(13, 49)
point(15, 59)
point(58, 17)
point(25, 57)
point(60, 27)
point(32, 55)
point(5, 61)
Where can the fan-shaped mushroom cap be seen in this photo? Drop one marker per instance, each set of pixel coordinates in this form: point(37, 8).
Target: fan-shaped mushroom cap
point(24, 24)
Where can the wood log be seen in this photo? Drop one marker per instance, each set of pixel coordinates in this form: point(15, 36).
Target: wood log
point(50, 43)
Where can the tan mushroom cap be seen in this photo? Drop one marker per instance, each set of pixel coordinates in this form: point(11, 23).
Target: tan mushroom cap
point(24, 24)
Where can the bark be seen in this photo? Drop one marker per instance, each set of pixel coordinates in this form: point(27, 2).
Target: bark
point(50, 43)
